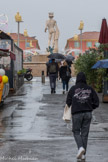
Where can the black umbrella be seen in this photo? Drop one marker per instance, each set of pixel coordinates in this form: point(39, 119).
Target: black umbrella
point(58, 60)
point(69, 58)
point(57, 56)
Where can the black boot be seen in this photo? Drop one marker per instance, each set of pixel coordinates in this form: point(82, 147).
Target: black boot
point(54, 91)
point(51, 90)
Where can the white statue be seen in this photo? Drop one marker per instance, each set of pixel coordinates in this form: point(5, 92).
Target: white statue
point(53, 30)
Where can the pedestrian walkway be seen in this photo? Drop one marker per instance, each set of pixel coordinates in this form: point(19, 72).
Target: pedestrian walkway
point(32, 127)
point(62, 135)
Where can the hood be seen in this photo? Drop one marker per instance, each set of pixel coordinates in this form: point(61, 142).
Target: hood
point(81, 78)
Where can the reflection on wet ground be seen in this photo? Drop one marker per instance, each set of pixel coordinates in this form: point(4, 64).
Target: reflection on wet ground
point(31, 126)
point(18, 115)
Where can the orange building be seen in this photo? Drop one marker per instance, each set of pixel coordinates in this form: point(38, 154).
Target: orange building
point(25, 43)
point(89, 40)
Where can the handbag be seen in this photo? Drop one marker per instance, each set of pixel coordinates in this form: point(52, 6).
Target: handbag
point(68, 74)
point(67, 113)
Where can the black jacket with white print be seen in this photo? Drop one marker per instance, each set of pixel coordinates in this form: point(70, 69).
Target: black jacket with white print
point(82, 97)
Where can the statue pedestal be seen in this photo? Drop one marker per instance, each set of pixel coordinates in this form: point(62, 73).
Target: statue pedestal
point(40, 58)
point(37, 65)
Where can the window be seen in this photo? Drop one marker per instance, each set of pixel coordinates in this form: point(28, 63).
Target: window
point(76, 44)
point(89, 44)
point(97, 44)
point(27, 44)
point(16, 43)
point(5, 44)
point(76, 53)
point(5, 62)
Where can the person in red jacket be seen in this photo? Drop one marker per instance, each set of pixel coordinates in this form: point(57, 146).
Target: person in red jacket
point(83, 100)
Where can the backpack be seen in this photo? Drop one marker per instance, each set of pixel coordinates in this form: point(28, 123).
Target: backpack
point(52, 68)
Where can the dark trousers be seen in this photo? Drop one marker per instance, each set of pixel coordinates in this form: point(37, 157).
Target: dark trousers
point(81, 126)
point(52, 78)
point(65, 84)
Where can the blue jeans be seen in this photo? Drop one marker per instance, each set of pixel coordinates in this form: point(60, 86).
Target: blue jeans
point(81, 125)
point(52, 78)
point(65, 84)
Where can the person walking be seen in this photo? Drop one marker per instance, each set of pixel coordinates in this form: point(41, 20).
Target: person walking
point(52, 72)
point(83, 100)
point(65, 75)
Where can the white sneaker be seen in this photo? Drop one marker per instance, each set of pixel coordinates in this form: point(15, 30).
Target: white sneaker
point(81, 151)
point(83, 157)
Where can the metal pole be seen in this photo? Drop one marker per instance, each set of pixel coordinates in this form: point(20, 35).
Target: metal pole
point(81, 40)
point(43, 77)
point(18, 33)
point(25, 42)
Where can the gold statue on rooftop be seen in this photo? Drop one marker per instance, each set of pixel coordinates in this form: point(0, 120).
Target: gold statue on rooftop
point(18, 17)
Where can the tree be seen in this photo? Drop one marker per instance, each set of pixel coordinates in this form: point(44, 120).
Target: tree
point(84, 64)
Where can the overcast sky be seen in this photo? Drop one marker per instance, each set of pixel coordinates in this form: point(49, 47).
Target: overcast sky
point(67, 13)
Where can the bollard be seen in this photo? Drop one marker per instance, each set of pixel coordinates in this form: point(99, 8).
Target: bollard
point(43, 77)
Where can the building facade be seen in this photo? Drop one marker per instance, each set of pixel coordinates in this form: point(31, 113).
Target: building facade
point(31, 59)
point(27, 44)
point(89, 40)
point(11, 60)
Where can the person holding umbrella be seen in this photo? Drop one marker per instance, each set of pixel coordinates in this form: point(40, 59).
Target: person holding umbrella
point(65, 75)
point(69, 59)
point(52, 72)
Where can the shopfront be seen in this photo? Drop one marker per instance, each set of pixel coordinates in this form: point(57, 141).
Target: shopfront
point(11, 59)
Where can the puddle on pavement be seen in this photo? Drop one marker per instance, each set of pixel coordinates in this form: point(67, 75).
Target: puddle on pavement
point(18, 117)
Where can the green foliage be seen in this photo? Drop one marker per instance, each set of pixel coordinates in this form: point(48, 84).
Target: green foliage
point(99, 81)
point(103, 47)
point(21, 71)
point(84, 64)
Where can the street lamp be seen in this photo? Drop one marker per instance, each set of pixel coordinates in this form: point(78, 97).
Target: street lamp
point(18, 19)
point(75, 37)
point(31, 45)
point(76, 43)
point(25, 35)
point(81, 28)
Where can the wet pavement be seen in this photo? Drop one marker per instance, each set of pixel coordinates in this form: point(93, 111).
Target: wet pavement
point(32, 129)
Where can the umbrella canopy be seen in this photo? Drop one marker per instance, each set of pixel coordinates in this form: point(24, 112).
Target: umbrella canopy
point(69, 58)
point(57, 56)
point(101, 64)
point(56, 60)
point(103, 37)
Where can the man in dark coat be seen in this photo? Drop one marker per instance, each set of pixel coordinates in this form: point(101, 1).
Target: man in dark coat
point(83, 100)
point(52, 71)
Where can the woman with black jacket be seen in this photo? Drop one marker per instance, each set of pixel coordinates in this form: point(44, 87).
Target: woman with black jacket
point(65, 75)
point(83, 100)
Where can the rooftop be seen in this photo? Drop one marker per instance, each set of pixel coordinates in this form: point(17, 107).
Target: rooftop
point(21, 37)
point(88, 35)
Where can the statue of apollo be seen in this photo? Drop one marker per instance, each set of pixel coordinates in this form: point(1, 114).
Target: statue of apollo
point(53, 30)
